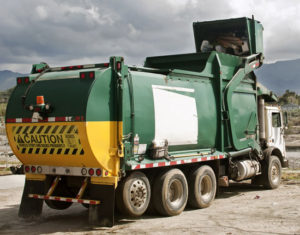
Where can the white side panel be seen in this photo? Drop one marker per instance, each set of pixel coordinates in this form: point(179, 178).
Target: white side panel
point(175, 115)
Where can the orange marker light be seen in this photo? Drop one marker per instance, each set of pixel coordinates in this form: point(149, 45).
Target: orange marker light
point(40, 100)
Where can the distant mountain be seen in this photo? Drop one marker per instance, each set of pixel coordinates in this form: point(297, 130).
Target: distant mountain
point(280, 76)
point(8, 79)
point(277, 77)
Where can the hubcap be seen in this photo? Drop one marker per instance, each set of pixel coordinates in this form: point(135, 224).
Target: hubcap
point(175, 192)
point(138, 193)
point(275, 173)
point(206, 187)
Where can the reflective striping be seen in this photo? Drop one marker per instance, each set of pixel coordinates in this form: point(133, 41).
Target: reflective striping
point(179, 162)
point(64, 199)
point(47, 119)
point(48, 139)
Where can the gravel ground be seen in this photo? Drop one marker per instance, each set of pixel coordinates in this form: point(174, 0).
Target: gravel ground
point(294, 160)
point(239, 209)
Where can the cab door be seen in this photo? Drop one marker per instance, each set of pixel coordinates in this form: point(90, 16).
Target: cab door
point(277, 129)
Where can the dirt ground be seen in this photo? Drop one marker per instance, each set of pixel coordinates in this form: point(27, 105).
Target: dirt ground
point(239, 209)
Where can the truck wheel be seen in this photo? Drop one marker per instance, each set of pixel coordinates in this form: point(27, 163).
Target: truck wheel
point(151, 209)
point(133, 194)
point(202, 187)
point(171, 192)
point(272, 173)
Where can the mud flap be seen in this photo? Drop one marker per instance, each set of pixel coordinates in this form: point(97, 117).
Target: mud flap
point(30, 207)
point(102, 214)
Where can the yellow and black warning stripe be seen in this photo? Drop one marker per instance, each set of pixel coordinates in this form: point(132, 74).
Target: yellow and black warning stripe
point(48, 139)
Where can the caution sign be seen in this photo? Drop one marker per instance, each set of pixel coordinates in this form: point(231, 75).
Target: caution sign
point(50, 139)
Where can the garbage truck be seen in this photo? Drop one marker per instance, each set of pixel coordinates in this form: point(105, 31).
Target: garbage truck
point(154, 138)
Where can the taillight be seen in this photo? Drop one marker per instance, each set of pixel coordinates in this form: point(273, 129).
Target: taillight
point(19, 80)
point(85, 75)
point(33, 169)
point(72, 67)
point(91, 171)
point(26, 80)
point(118, 66)
point(27, 168)
point(98, 172)
point(91, 74)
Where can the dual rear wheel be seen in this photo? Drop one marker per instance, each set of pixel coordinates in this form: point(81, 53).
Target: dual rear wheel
point(170, 192)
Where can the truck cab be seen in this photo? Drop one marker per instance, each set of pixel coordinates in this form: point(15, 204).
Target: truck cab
point(275, 128)
point(271, 125)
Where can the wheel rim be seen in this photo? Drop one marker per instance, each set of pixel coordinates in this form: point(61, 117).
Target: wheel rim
point(138, 194)
point(175, 192)
point(275, 173)
point(206, 186)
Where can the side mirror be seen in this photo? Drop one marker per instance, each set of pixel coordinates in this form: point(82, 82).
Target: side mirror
point(285, 119)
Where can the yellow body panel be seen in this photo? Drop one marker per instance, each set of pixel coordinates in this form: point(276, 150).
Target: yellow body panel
point(35, 177)
point(73, 144)
point(105, 180)
point(102, 137)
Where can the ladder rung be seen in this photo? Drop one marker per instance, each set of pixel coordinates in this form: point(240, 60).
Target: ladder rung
point(64, 199)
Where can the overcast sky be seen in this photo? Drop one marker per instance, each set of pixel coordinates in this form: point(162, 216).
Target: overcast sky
point(86, 31)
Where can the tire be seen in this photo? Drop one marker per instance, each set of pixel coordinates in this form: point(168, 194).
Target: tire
point(171, 192)
point(133, 194)
point(60, 190)
point(272, 173)
point(151, 209)
point(257, 180)
point(202, 187)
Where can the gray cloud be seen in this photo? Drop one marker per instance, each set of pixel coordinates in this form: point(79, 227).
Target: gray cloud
point(74, 32)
